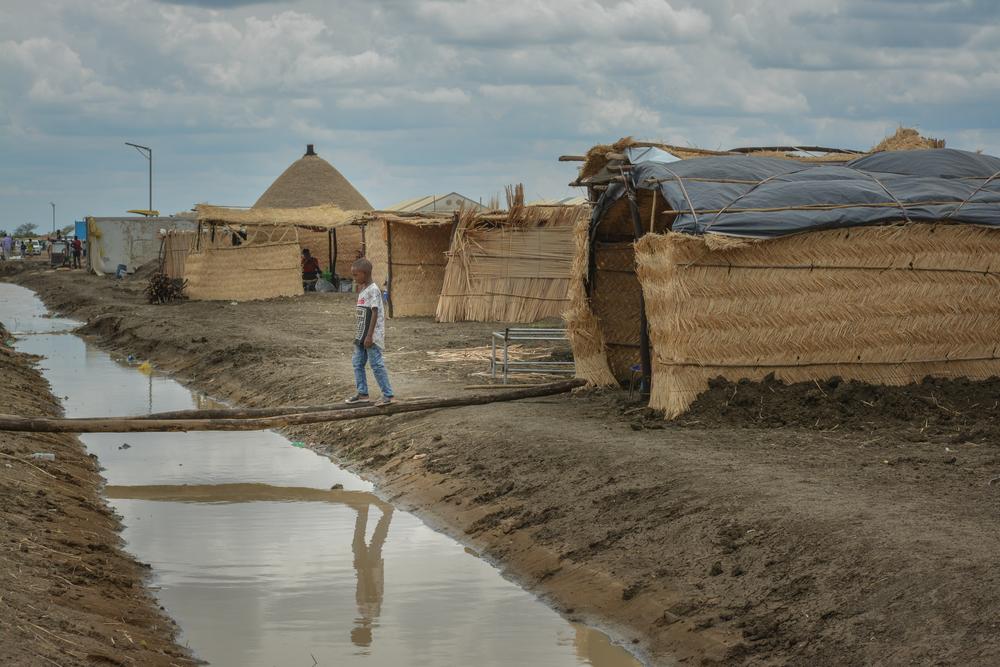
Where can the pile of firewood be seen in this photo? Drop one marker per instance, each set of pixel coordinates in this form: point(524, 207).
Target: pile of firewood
point(162, 288)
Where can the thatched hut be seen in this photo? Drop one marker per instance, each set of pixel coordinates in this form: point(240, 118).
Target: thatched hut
point(511, 266)
point(607, 280)
point(879, 270)
point(218, 263)
point(312, 181)
point(407, 252)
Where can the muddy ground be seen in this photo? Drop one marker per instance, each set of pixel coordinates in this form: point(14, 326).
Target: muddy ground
point(69, 595)
point(772, 525)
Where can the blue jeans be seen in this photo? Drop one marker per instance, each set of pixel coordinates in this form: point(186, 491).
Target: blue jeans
point(373, 357)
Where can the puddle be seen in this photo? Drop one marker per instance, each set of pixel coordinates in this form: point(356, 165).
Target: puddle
point(261, 563)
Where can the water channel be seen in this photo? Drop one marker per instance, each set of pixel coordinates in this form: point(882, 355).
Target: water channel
point(261, 562)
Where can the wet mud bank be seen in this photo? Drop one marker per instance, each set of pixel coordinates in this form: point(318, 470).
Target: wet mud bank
point(69, 594)
point(726, 542)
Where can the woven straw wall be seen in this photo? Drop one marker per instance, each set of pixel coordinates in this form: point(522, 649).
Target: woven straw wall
point(615, 299)
point(245, 273)
point(377, 251)
point(318, 244)
point(516, 272)
point(349, 247)
point(886, 305)
point(176, 246)
point(418, 263)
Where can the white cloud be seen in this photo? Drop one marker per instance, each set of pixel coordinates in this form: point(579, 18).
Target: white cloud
point(520, 21)
point(431, 95)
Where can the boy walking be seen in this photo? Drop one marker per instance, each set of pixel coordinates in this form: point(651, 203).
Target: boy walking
point(369, 336)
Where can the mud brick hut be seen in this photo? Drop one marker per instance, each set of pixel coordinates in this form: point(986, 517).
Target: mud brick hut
point(511, 266)
point(408, 254)
point(882, 269)
point(219, 264)
point(312, 181)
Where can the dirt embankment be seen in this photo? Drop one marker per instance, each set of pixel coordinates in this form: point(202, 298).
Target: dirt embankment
point(758, 530)
point(68, 594)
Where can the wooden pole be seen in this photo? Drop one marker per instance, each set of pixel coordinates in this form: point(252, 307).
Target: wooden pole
point(645, 355)
point(243, 413)
point(134, 425)
point(329, 252)
point(388, 267)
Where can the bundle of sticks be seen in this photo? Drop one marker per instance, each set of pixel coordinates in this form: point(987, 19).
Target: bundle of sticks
point(161, 288)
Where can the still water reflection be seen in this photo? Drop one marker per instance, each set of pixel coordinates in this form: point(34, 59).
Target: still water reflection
point(261, 562)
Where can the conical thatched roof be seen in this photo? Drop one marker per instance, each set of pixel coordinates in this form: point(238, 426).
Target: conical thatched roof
point(312, 181)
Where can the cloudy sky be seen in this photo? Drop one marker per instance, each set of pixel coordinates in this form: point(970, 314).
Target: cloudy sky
point(412, 97)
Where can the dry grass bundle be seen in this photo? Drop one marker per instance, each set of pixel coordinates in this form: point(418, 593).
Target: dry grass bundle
point(597, 157)
point(906, 139)
point(886, 305)
point(582, 327)
point(484, 353)
point(512, 266)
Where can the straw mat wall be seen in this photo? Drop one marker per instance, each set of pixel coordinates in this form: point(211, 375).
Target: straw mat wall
point(615, 299)
point(244, 273)
point(349, 246)
point(377, 251)
point(886, 305)
point(418, 259)
point(517, 271)
point(176, 246)
point(318, 243)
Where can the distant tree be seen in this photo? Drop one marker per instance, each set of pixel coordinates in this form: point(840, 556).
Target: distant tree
point(68, 230)
point(3, 232)
point(27, 229)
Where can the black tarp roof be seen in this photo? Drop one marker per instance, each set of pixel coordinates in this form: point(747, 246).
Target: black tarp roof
point(768, 197)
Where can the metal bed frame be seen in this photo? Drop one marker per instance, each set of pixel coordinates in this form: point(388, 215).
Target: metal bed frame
point(506, 366)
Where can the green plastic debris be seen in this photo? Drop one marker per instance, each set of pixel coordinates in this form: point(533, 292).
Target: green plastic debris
point(298, 443)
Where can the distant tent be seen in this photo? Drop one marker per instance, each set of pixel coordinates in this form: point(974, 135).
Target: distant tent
point(312, 181)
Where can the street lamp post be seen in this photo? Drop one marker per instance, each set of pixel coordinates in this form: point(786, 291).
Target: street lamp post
point(53, 205)
point(146, 152)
